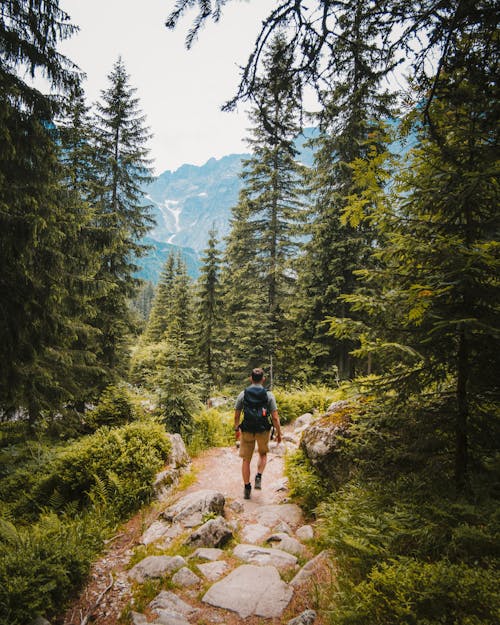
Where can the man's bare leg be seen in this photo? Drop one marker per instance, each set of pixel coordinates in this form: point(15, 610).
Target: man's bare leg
point(261, 464)
point(245, 471)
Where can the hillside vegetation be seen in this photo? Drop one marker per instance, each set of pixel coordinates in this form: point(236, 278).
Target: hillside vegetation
point(369, 274)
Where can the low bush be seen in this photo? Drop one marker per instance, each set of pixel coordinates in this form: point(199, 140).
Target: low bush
point(41, 565)
point(115, 465)
point(211, 428)
point(305, 485)
point(292, 404)
point(408, 591)
point(115, 408)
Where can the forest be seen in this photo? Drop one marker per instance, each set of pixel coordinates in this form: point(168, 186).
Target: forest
point(372, 275)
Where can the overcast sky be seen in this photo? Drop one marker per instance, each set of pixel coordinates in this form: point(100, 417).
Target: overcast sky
point(180, 91)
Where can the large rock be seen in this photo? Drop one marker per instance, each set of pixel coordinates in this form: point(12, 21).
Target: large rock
point(194, 506)
point(338, 406)
point(321, 442)
point(179, 456)
point(251, 590)
point(309, 569)
point(287, 543)
point(165, 481)
point(273, 514)
point(170, 602)
point(303, 420)
point(207, 553)
point(156, 531)
point(213, 570)
point(156, 566)
point(264, 557)
point(213, 533)
point(185, 578)
point(254, 533)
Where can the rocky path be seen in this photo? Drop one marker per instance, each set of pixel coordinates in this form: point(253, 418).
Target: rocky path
point(206, 555)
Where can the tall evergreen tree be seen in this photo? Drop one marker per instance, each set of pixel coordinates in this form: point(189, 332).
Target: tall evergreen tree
point(123, 217)
point(433, 299)
point(209, 311)
point(339, 244)
point(43, 263)
point(271, 205)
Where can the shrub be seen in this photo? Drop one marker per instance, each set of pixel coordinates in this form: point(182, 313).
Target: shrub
point(117, 465)
point(41, 565)
point(211, 428)
point(312, 398)
point(114, 408)
point(410, 592)
point(305, 484)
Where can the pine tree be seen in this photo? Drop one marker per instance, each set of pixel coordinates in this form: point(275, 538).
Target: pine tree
point(339, 244)
point(122, 216)
point(432, 300)
point(43, 263)
point(209, 312)
point(271, 206)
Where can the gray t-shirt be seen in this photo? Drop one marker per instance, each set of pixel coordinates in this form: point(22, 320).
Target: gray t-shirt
point(271, 401)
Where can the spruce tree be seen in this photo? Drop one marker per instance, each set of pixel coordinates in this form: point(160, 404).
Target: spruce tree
point(271, 206)
point(338, 244)
point(43, 262)
point(122, 215)
point(432, 300)
point(209, 312)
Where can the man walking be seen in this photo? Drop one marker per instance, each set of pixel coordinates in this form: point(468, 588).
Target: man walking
point(260, 413)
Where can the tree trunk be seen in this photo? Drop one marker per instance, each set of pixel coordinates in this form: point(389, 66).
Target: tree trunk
point(461, 442)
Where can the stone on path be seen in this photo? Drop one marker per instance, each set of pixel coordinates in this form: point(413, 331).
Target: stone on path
point(308, 569)
point(305, 532)
point(306, 618)
point(155, 531)
point(213, 533)
point(272, 514)
point(251, 590)
point(287, 543)
point(185, 578)
point(135, 618)
point(207, 553)
point(170, 602)
point(155, 566)
point(254, 533)
point(190, 509)
point(264, 557)
point(213, 570)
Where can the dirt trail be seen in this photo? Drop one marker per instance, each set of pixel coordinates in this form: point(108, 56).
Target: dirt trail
point(217, 468)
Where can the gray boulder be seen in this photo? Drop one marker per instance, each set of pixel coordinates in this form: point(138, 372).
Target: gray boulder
point(179, 456)
point(207, 553)
point(213, 533)
point(155, 566)
point(264, 557)
point(303, 420)
point(320, 443)
point(195, 506)
point(213, 570)
point(305, 532)
point(337, 406)
point(309, 569)
point(306, 618)
point(251, 590)
point(185, 578)
point(287, 543)
point(170, 602)
point(165, 481)
point(272, 514)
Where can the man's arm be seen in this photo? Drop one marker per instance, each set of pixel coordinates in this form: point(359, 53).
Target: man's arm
point(277, 426)
point(237, 414)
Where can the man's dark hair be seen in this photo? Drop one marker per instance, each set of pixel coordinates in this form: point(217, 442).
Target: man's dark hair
point(257, 374)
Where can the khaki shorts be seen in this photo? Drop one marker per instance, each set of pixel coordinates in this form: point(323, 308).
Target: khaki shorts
point(248, 440)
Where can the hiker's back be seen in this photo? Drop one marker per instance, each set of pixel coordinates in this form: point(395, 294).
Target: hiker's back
point(256, 417)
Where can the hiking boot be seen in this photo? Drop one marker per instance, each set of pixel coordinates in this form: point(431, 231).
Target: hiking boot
point(247, 491)
point(258, 481)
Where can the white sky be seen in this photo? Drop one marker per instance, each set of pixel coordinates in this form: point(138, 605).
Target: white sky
point(180, 91)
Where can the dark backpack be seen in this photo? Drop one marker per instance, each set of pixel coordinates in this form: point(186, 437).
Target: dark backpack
point(255, 413)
